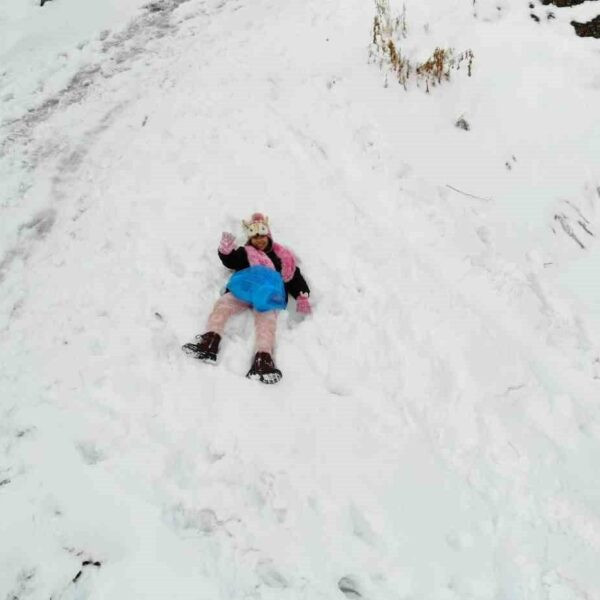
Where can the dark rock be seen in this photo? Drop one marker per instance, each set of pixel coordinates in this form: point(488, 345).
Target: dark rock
point(589, 29)
point(349, 587)
point(561, 3)
point(462, 123)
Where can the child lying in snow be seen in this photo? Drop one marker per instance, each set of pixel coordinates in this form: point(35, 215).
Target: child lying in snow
point(259, 265)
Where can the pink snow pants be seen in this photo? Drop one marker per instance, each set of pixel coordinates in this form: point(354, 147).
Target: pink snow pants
point(265, 323)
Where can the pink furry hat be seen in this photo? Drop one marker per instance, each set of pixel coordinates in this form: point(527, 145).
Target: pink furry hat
point(258, 225)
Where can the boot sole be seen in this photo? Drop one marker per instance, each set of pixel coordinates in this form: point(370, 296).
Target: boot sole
point(205, 358)
point(266, 378)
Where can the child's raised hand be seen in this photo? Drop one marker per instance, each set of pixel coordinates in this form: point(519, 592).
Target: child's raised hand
point(227, 243)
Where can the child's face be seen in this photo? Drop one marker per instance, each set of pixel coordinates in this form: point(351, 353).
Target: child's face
point(260, 242)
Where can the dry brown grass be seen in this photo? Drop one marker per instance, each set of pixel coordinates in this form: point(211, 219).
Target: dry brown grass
point(386, 51)
point(438, 67)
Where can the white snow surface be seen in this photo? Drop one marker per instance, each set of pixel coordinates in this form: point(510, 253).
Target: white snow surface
point(436, 435)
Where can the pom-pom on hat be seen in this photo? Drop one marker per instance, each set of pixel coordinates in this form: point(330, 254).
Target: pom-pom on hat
point(258, 225)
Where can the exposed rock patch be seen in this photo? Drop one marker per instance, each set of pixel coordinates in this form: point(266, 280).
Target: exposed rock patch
point(589, 29)
point(561, 3)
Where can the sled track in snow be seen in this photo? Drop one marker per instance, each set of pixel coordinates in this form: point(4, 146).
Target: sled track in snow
point(121, 50)
point(23, 152)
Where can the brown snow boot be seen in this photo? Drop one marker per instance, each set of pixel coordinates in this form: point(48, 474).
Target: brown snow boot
point(263, 369)
point(207, 349)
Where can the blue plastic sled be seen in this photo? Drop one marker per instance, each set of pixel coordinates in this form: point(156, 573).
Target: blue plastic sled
point(260, 287)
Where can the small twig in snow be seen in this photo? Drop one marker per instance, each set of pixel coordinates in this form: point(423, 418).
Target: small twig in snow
point(576, 210)
point(86, 563)
point(563, 220)
point(467, 194)
point(584, 227)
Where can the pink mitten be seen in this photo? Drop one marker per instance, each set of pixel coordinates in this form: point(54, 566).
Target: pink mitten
point(227, 244)
point(303, 304)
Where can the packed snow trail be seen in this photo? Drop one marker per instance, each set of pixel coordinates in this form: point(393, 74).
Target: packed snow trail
point(437, 429)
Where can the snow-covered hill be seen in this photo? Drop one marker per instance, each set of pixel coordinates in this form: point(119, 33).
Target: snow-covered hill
point(437, 431)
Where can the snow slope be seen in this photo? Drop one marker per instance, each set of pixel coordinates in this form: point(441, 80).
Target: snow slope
point(437, 430)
